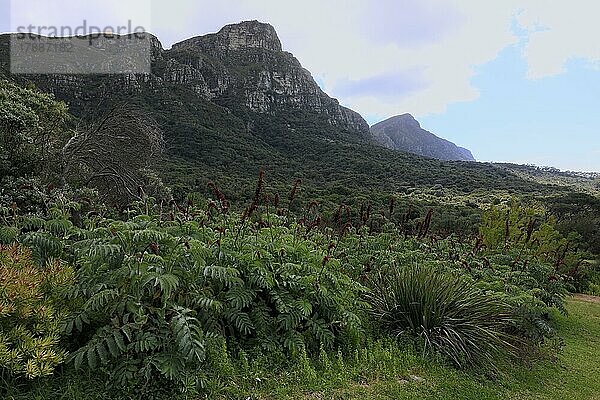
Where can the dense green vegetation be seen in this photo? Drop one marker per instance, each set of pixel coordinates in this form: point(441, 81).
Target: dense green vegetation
point(448, 313)
point(32, 125)
point(388, 370)
point(159, 289)
point(351, 279)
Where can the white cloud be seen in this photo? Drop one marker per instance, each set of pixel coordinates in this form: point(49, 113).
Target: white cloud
point(444, 56)
point(436, 43)
point(559, 31)
point(332, 40)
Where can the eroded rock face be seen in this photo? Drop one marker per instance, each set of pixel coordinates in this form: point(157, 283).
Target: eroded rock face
point(245, 35)
point(246, 61)
point(241, 66)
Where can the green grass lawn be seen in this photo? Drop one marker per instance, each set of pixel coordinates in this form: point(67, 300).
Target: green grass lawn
point(389, 371)
point(575, 374)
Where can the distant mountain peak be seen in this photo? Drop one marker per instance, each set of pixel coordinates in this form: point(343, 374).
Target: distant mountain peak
point(404, 133)
point(404, 119)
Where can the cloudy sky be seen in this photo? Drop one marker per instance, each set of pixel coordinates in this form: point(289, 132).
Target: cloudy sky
point(512, 80)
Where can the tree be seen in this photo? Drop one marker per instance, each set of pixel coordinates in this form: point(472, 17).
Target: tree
point(113, 152)
point(33, 128)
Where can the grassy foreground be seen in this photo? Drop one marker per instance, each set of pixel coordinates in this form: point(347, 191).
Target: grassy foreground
point(385, 371)
point(574, 375)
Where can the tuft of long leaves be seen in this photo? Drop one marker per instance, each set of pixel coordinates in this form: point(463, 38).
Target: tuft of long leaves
point(447, 312)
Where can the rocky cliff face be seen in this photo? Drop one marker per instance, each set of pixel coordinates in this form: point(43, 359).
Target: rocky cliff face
point(240, 67)
point(242, 36)
point(404, 133)
point(245, 62)
point(243, 70)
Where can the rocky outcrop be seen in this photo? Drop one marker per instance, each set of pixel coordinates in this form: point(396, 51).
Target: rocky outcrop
point(404, 133)
point(240, 67)
point(242, 36)
point(245, 61)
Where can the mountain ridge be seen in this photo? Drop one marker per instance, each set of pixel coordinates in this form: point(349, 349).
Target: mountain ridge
point(404, 133)
point(221, 66)
point(227, 114)
point(244, 63)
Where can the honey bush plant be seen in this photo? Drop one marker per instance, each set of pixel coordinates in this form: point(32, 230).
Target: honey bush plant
point(161, 287)
point(155, 290)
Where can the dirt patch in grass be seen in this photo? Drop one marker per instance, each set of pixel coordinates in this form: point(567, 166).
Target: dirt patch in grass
point(587, 298)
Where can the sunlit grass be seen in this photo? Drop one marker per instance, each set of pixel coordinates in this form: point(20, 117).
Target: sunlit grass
point(574, 375)
point(390, 371)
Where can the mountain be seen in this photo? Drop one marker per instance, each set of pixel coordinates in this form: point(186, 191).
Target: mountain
point(233, 102)
point(245, 62)
point(241, 66)
point(404, 133)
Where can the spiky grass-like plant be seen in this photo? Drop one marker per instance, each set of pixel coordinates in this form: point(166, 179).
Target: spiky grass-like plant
point(447, 312)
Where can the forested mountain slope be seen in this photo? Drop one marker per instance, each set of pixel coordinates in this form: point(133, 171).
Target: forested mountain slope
point(233, 102)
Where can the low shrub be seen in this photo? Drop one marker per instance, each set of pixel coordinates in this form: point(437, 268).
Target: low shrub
point(593, 286)
point(31, 313)
point(448, 313)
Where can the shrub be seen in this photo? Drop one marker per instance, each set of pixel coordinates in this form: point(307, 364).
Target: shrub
point(31, 313)
point(594, 279)
point(534, 234)
point(32, 127)
point(154, 295)
point(447, 312)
